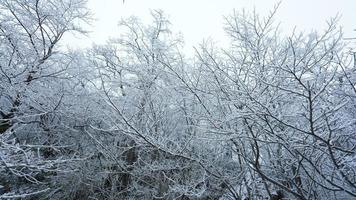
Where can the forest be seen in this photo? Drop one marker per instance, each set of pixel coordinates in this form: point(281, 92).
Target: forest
point(269, 116)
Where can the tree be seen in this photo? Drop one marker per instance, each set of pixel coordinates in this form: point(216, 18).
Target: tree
point(281, 103)
point(267, 117)
point(35, 84)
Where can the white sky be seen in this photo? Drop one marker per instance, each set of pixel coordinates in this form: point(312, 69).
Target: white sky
point(199, 19)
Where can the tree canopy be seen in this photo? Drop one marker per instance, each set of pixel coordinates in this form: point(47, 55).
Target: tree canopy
point(267, 117)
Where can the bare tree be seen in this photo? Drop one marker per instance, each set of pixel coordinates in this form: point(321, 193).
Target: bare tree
point(33, 86)
point(269, 117)
point(281, 103)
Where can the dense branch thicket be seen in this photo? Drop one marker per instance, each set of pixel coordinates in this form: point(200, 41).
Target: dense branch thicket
point(269, 117)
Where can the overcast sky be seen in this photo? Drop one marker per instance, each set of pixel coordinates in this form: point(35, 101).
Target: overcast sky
point(199, 19)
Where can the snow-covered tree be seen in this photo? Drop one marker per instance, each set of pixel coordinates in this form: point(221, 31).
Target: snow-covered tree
point(268, 117)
